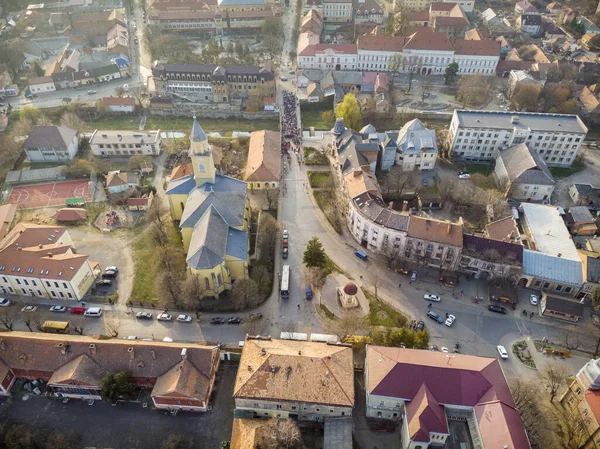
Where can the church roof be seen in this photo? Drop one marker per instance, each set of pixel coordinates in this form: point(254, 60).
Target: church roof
point(197, 134)
point(208, 245)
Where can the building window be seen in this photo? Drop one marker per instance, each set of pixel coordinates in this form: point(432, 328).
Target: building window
point(278, 406)
point(206, 284)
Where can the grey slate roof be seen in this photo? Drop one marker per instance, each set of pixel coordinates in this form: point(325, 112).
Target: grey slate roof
point(525, 166)
point(181, 185)
point(552, 268)
point(564, 305)
point(208, 245)
point(49, 137)
point(197, 134)
point(567, 123)
point(593, 271)
point(373, 208)
point(482, 244)
point(581, 214)
point(531, 19)
point(230, 205)
point(237, 244)
point(350, 146)
point(414, 138)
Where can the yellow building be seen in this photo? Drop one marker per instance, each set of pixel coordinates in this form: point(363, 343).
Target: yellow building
point(213, 212)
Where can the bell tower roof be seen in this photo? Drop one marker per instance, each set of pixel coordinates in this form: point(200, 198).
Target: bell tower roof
point(197, 134)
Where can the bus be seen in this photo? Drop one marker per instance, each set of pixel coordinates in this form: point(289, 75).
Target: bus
point(57, 327)
point(285, 282)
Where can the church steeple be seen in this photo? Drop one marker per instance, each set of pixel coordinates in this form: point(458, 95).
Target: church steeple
point(201, 155)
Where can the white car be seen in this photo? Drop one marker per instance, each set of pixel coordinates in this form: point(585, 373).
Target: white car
point(463, 175)
point(5, 302)
point(59, 309)
point(29, 309)
point(434, 298)
point(533, 299)
point(164, 317)
point(444, 349)
point(184, 318)
point(450, 320)
point(502, 351)
point(285, 234)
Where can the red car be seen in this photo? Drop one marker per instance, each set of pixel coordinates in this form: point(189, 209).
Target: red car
point(77, 310)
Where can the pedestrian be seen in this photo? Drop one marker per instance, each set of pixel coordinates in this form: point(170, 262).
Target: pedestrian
point(531, 316)
point(399, 285)
point(429, 306)
point(410, 283)
point(298, 305)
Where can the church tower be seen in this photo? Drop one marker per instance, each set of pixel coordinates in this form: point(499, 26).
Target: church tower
point(201, 154)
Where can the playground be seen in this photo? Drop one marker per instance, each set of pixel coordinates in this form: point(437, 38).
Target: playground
point(50, 194)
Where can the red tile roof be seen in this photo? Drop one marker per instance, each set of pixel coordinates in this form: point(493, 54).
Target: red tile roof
point(435, 231)
point(137, 201)
point(118, 101)
point(485, 47)
point(431, 40)
point(425, 415)
point(381, 43)
point(439, 6)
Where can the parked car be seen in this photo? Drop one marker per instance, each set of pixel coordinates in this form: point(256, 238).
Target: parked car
point(502, 351)
point(234, 320)
point(450, 320)
point(93, 311)
point(285, 243)
point(497, 309)
point(29, 309)
point(109, 274)
point(286, 234)
point(445, 349)
point(434, 298)
point(91, 92)
point(309, 293)
point(144, 315)
point(5, 302)
point(77, 310)
point(420, 325)
point(136, 40)
point(413, 276)
point(184, 319)
point(284, 253)
point(255, 316)
point(425, 182)
point(59, 309)
point(434, 348)
point(164, 317)
point(361, 255)
point(533, 299)
point(111, 268)
point(217, 321)
point(434, 316)
point(463, 175)
point(103, 283)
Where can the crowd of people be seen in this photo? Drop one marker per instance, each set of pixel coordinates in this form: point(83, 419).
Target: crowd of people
point(289, 119)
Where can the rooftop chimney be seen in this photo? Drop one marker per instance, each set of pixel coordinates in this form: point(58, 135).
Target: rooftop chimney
point(263, 351)
point(391, 205)
point(131, 353)
point(49, 254)
point(404, 206)
point(153, 354)
point(449, 227)
point(184, 354)
point(92, 348)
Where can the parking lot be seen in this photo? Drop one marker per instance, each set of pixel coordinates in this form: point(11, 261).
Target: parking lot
point(126, 426)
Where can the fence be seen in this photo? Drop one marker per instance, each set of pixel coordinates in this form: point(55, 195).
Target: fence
point(188, 111)
point(36, 175)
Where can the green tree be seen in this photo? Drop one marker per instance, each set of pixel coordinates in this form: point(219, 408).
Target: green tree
point(239, 50)
point(117, 386)
point(37, 68)
point(271, 34)
point(349, 110)
point(401, 337)
point(227, 19)
point(314, 255)
point(230, 48)
point(139, 161)
point(450, 73)
point(30, 113)
point(525, 98)
point(596, 299)
point(78, 168)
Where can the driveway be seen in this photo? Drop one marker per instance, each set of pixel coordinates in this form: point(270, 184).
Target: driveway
point(589, 175)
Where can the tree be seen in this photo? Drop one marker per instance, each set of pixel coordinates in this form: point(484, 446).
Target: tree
point(596, 299)
point(554, 377)
point(349, 110)
point(376, 281)
point(473, 90)
point(117, 386)
point(571, 338)
point(11, 53)
point(270, 197)
point(239, 50)
point(441, 138)
point(6, 320)
point(78, 168)
point(268, 235)
point(177, 442)
point(263, 278)
point(30, 113)
point(350, 323)
point(230, 48)
point(314, 255)
point(280, 433)
point(37, 68)
point(169, 288)
point(192, 290)
point(78, 325)
point(396, 181)
point(169, 46)
point(553, 96)
point(139, 161)
point(327, 116)
point(70, 120)
point(450, 73)
point(525, 98)
point(527, 52)
point(401, 337)
point(425, 87)
point(271, 33)
point(112, 326)
point(245, 293)
point(119, 91)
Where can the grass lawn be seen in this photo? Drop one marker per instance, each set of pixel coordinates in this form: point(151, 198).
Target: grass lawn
point(328, 313)
point(318, 179)
point(313, 118)
point(565, 172)
point(183, 124)
point(381, 313)
point(323, 199)
point(314, 157)
point(144, 278)
point(485, 170)
point(483, 182)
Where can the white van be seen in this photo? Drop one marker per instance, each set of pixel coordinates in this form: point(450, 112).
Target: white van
point(502, 351)
point(93, 311)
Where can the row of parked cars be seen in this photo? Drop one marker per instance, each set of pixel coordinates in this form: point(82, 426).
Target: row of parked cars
point(163, 317)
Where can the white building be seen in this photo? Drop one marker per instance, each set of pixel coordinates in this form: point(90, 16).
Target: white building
point(369, 11)
point(530, 24)
point(41, 85)
point(417, 147)
point(119, 104)
point(51, 144)
point(39, 261)
point(125, 143)
point(477, 136)
point(328, 57)
point(337, 10)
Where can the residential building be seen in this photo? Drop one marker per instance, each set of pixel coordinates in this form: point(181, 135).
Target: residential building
point(466, 5)
point(49, 143)
point(41, 85)
point(213, 212)
point(312, 22)
point(416, 146)
point(554, 8)
point(477, 136)
point(180, 375)
point(477, 34)
point(589, 105)
point(561, 307)
point(119, 104)
point(209, 83)
point(585, 195)
point(530, 24)
point(503, 230)
point(368, 11)
point(426, 391)
point(106, 73)
point(433, 243)
point(118, 181)
point(520, 78)
point(40, 261)
point(294, 379)
point(523, 175)
point(328, 57)
point(448, 18)
point(581, 401)
point(316, 5)
point(550, 260)
point(591, 272)
point(140, 204)
point(410, 5)
point(338, 10)
point(263, 168)
point(524, 7)
point(505, 47)
point(491, 259)
point(580, 221)
point(125, 143)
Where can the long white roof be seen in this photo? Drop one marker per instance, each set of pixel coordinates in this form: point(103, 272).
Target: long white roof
point(548, 231)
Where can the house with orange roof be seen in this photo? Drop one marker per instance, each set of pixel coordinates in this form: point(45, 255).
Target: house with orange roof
point(263, 169)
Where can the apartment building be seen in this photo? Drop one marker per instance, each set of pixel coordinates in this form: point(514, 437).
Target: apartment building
point(40, 261)
point(477, 136)
point(338, 11)
point(125, 143)
point(427, 391)
point(369, 11)
point(488, 259)
point(433, 243)
point(51, 144)
point(410, 5)
point(416, 146)
point(294, 379)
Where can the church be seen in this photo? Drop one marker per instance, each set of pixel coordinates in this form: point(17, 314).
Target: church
point(213, 212)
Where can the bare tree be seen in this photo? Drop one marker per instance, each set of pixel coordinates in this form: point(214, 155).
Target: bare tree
point(376, 281)
point(192, 290)
point(271, 197)
point(6, 320)
point(571, 429)
point(78, 325)
point(425, 88)
point(245, 293)
point(255, 327)
point(269, 232)
point(571, 338)
point(280, 433)
point(70, 120)
point(350, 323)
point(112, 326)
point(169, 289)
point(263, 277)
point(554, 376)
point(396, 181)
